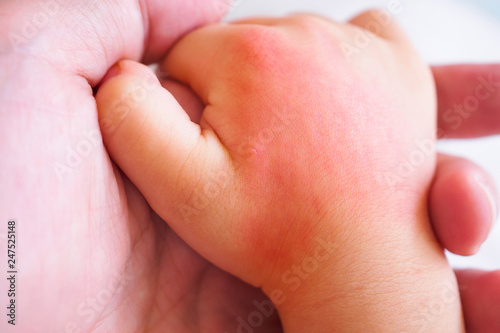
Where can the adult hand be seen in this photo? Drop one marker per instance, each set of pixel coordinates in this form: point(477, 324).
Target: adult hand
point(463, 199)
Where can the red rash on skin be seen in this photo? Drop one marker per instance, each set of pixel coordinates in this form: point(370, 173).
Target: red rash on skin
point(276, 236)
point(279, 165)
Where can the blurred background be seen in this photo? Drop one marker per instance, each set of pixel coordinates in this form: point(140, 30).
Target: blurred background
point(445, 32)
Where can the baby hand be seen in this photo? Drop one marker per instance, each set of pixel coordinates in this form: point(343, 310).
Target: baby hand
point(288, 180)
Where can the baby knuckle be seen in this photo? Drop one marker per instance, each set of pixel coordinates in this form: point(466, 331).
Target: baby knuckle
point(309, 23)
point(259, 46)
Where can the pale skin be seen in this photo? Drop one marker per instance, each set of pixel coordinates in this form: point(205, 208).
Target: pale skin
point(64, 268)
point(267, 179)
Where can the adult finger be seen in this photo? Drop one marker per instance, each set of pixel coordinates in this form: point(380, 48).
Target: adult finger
point(463, 201)
point(468, 100)
point(480, 295)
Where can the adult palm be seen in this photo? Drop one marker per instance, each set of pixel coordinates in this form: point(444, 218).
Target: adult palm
point(92, 255)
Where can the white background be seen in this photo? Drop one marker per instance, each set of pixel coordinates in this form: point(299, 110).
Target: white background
point(445, 32)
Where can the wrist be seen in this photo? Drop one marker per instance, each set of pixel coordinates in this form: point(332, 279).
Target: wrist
point(395, 284)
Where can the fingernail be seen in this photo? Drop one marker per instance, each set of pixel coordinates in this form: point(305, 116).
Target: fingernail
point(112, 72)
point(491, 198)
